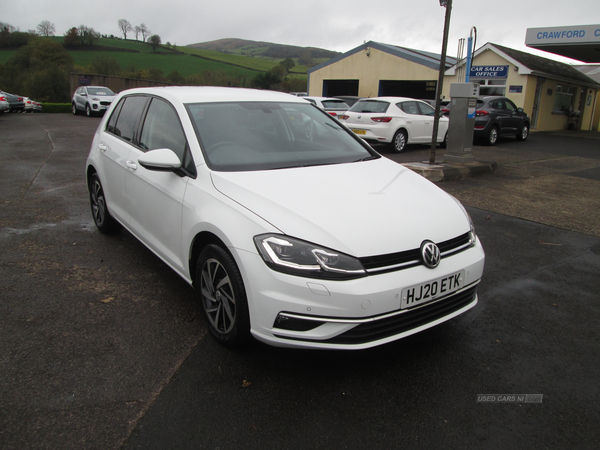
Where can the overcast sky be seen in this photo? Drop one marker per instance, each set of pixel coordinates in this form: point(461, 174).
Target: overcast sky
point(333, 25)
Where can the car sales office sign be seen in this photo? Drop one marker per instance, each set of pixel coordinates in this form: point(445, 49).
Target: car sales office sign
point(486, 72)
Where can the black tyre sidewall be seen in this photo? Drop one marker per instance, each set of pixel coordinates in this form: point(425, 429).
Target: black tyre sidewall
point(240, 333)
point(110, 225)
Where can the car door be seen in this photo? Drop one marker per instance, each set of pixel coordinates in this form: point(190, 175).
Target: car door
point(115, 144)
point(501, 115)
point(516, 117)
point(415, 122)
point(156, 197)
point(428, 113)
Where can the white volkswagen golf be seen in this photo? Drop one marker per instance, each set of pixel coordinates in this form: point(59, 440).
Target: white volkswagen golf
point(290, 228)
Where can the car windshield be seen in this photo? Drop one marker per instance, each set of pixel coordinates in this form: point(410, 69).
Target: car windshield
point(249, 136)
point(100, 91)
point(335, 104)
point(370, 106)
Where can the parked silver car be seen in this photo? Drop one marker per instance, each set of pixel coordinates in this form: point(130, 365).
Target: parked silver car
point(93, 100)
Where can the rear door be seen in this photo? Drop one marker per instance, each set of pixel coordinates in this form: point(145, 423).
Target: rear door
point(115, 144)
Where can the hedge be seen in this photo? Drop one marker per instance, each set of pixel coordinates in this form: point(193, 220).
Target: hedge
point(56, 107)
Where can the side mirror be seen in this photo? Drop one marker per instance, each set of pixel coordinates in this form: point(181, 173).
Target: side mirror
point(160, 160)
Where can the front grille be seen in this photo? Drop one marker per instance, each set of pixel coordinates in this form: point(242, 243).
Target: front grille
point(105, 103)
point(412, 258)
point(391, 326)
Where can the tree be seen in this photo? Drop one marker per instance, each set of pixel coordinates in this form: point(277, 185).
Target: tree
point(71, 38)
point(82, 32)
point(105, 65)
point(287, 64)
point(92, 36)
point(137, 30)
point(155, 41)
point(144, 31)
point(46, 28)
point(125, 27)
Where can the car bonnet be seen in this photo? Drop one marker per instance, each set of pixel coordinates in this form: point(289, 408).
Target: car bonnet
point(363, 209)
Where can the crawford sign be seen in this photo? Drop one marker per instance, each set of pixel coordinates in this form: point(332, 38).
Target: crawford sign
point(489, 72)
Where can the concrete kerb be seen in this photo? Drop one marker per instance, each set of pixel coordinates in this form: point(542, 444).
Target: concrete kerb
point(445, 171)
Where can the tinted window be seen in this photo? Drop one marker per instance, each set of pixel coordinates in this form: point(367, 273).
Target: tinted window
point(370, 106)
point(162, 129)
point(335, 104)
point(129, 117)
point(113, 118)
point(510, 105)
point(262, 135)
point(100, 91)
point(426, 110)
point(409, 107)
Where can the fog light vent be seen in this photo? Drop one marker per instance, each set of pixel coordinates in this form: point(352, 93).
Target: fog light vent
point(285, 322)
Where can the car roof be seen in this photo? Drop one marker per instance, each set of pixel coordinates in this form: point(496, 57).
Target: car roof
point(392, 99)
point(322, 98)
point(208, 94)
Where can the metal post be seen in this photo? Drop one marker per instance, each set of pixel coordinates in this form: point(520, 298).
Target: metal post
point(436, 119)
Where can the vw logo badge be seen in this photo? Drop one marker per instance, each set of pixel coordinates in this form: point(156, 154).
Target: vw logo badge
point(430, 253)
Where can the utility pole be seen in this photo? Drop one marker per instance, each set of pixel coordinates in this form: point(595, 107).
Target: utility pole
point(438, 91)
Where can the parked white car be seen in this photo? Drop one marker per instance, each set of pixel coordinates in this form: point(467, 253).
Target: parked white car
point(396, 120)
point(333, 106)
point(4, 104)
point(290, 227)
point(92, 100)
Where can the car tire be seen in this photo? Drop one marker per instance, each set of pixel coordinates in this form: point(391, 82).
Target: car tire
point(222, 295)
point(399, 141)
point(74, 109)
point(523, 133)
point(492, 136)
point(88, 110)
point(102, 218)
point(444, 143)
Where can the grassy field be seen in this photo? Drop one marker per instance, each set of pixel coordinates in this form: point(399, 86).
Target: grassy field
point(182, 61)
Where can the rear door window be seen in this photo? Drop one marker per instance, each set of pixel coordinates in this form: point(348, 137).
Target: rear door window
point(128, 119)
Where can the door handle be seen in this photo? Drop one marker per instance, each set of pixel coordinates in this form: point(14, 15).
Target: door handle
point(102, 147)
point(131, 165)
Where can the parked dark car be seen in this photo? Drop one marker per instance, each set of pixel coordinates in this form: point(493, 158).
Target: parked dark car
point(497, 116)
point(16, 102)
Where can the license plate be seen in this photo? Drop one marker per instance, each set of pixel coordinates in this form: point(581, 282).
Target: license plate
point(359, 131)
point(426, 292)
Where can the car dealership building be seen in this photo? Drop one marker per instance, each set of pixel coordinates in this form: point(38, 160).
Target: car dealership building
point(556, 96)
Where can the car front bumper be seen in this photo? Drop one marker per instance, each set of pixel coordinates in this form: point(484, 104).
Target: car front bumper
point(291, 311)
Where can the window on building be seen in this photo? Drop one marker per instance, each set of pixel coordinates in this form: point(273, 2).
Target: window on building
point(564, 100)
point(492, 87)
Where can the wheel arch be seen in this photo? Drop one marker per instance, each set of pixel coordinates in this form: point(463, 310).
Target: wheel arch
point(200, 241)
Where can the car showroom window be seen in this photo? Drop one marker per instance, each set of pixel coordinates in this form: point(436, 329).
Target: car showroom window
point(129, 117)
point(492, 87)
point(564, 98)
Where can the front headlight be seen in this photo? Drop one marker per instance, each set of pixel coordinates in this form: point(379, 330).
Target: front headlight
point(296, 257)
point(472, 234)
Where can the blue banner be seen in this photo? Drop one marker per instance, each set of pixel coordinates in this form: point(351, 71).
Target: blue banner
point(489, 72)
